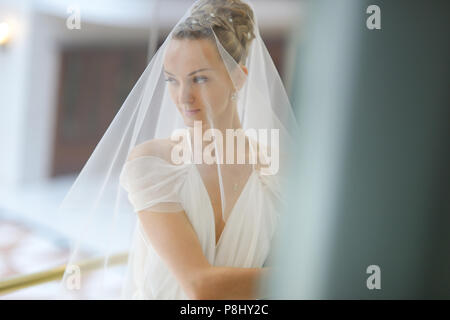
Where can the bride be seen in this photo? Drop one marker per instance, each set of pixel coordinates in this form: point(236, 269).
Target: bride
point(200, 226)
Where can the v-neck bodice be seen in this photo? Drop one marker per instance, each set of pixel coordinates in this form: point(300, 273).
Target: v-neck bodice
point(236, 203)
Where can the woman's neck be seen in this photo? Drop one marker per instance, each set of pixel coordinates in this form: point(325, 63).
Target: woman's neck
point(222, 124)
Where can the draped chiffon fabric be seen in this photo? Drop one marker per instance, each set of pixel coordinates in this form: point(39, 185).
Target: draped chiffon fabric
point(156, 185)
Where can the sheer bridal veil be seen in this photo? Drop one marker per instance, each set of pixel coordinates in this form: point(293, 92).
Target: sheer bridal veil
point(210, 96)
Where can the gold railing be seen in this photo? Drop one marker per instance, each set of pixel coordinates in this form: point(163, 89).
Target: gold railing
point(24, 281)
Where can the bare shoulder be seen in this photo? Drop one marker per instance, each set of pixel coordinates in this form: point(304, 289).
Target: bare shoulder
point(161, 148)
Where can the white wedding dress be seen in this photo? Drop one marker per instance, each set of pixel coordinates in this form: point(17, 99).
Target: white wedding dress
point(244, 242)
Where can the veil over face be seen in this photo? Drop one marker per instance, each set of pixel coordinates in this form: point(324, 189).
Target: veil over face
point(210, 97)
point(203, 86)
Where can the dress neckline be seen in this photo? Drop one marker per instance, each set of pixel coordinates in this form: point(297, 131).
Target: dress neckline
point(194, 167)
point(244, 189)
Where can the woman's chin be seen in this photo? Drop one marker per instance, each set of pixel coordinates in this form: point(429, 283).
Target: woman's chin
point(189, 121)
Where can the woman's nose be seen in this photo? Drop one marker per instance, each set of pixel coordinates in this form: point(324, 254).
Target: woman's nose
point(186, 94)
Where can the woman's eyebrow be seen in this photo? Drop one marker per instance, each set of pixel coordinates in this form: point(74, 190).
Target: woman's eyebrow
point(190, 74)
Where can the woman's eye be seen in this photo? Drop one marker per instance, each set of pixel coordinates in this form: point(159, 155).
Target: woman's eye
point(200, 79)
point(170, 80)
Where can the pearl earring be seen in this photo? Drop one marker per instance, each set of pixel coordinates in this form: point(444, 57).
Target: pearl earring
point(234, 96)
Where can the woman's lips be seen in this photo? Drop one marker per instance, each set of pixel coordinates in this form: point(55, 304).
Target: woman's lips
point(191, 112)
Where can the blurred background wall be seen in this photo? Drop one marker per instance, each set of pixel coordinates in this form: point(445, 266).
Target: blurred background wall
point(371, 178)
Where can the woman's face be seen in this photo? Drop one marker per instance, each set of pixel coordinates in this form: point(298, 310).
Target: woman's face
point(198, 81)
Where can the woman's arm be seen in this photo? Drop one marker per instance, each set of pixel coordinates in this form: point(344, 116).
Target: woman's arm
point(230, 283)
point(175, 240)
